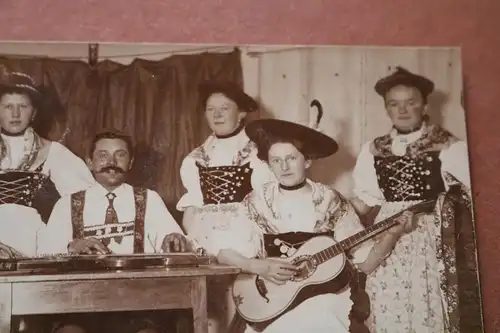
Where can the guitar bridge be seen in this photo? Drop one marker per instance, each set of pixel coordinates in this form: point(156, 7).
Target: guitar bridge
point(306, 267)
point(261, 288)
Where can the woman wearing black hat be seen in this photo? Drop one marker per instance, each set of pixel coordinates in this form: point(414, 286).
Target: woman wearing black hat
point(416, 161)
point(34, 172)
point(285, 214)
point(217, 176)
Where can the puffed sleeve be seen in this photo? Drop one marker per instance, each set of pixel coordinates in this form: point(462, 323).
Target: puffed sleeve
point(255, 220)
point(347, 224)
point(365, 178)
point(69, 172)
point(55, 236)
point(262, 174)
point(158, 223)
point(190, 178)
point(455, 160)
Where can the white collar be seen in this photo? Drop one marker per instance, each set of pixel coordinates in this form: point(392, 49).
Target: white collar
point(401, 141)
point(407, 138)
point(119, 191)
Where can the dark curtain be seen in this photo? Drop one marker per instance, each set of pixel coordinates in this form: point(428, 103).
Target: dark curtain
point(156, 102)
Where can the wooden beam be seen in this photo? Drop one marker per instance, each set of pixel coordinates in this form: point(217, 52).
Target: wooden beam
point(93, 54)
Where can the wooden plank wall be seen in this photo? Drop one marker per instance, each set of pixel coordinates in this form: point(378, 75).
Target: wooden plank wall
point(342, 79)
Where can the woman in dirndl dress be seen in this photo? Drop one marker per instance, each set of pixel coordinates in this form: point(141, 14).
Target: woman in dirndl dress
point(284, 214)
point(429, 283)
point(34, 172)
point(217, 176)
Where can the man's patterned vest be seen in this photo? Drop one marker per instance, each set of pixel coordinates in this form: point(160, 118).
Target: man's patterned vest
point(134, 228)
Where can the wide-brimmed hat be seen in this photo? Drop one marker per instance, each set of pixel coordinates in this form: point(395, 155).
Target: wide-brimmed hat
point(231, 90)
point(314, 144)
point(403, 76)
point(19, 82)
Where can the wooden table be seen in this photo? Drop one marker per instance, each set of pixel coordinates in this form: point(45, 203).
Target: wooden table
point(171, 288)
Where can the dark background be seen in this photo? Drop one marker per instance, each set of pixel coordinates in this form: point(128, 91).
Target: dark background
point(472, 24)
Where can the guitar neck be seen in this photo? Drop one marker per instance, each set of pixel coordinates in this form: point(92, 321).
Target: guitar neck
point(366, 234)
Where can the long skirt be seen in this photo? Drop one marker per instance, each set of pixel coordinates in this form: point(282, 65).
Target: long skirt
point(218, 227)
point(405, 294)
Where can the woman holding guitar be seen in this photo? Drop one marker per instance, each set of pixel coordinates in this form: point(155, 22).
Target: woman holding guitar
point(288, 213)
point(431, 271)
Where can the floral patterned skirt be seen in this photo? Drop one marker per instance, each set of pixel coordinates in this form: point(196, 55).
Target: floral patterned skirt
point(405, 293)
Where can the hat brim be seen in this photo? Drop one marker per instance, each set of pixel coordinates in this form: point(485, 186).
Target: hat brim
point(33, 91)
point(423, 84)
point(315, 145)
point(244, 101)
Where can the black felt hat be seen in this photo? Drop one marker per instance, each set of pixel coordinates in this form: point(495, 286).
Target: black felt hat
point(19, 82)
point(403, 76)
point(232, 91)
point(314, 144)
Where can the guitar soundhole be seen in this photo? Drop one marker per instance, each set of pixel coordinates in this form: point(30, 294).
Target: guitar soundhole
point(306, 266)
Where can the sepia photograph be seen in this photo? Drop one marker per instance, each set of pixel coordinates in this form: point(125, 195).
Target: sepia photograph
point(192, 188)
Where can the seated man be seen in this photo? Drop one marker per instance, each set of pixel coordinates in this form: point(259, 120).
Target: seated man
point(111, 217)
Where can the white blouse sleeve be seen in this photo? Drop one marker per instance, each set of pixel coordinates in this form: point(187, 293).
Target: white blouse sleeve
point(262, 174)
point(190, 178)
point(158, 223)
point(69, 173)
point(365, 178)
point(455, 160)
point(55, 236)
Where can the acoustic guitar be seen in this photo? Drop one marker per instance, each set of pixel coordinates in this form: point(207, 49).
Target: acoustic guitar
point(321, 260)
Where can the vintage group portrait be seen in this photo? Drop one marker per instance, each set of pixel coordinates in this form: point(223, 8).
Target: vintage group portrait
point(178, 188)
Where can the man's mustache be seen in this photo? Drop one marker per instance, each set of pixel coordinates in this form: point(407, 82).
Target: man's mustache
point(111, 168)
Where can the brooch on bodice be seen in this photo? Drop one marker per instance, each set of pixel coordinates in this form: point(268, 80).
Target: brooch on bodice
point(287, 249)
point(399, 146)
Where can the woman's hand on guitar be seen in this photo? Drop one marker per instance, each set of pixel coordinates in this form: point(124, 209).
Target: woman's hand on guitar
point(407, 222)
point(87, 246)
point(274, 270)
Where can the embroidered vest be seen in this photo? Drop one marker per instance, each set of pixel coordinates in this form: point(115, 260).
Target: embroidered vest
point(225, 184)
point(417, 174)
point(102, 231)
point(31, 189)
point(405, 178)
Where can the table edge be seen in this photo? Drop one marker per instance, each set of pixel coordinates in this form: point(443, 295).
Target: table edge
point(181, 272)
